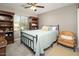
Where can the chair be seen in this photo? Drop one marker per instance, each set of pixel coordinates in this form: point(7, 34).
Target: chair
point(67, 39)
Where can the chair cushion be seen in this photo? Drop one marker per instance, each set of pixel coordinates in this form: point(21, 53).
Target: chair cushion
point(66, 42)
point(67, 37)
point(70, 45)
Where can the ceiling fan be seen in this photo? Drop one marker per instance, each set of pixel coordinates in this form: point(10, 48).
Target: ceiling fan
point(33, 6)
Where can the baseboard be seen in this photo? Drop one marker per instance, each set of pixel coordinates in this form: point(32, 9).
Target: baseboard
point(16, 39)
point(77, 48)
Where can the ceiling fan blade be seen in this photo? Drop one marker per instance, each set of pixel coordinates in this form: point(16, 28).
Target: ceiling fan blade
point(27, 7)
point(40, 6)
point(31, 3)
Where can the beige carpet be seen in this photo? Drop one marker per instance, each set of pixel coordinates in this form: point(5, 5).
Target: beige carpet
point(59, 50)
point(18, 49)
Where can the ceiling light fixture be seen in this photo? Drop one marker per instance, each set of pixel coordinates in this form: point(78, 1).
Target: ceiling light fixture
point(33, 8)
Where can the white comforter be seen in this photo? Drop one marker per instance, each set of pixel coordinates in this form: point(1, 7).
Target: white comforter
point(45, 39)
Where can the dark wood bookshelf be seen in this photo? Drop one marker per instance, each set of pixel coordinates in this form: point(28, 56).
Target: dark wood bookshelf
point(34, 23)
point(6, 26)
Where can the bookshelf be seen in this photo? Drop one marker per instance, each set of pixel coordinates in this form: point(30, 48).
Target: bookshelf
point(34, 23)
point(6, 26)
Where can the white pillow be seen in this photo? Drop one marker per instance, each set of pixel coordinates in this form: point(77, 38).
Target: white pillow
point(52, 28)
point(45, 28)
point(67, 37)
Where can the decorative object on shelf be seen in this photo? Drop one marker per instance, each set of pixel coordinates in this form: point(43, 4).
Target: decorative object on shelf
point(6, 34)
point(7, 30)
point(1, 30)
point(3, 44)
point(34, 24)
point(10, 34)
point(11, 29)
point(2, 17)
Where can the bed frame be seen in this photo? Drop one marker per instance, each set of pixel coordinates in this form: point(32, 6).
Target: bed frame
point(33, 38)
point(29, 40)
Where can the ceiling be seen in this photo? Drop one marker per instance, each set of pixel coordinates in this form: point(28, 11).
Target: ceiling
point(18, 8)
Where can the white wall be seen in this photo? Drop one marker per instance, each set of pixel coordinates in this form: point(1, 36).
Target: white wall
point(65, 17)
point(78, 25)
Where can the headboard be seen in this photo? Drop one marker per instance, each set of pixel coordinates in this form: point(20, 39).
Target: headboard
point(57, 26)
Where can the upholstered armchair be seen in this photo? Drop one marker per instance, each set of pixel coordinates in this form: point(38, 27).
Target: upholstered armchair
point(67, 39)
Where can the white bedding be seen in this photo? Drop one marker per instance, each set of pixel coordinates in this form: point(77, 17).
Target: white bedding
point(45, 39)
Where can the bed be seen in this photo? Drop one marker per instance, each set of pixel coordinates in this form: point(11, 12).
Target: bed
point(39, 40)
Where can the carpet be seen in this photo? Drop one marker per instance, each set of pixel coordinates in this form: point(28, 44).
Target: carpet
point(18, 49)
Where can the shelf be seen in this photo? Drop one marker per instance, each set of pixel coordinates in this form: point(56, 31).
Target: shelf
point(6, 31)
point(34, 21)
point(6, 21)
point(5, 26)
point(1, 32)
point(6, 13)
point(35, 26)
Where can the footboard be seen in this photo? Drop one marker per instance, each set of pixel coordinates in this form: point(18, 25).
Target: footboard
point(28, 40)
